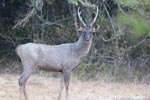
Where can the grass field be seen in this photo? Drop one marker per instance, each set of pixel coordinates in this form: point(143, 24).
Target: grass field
point(40, 87)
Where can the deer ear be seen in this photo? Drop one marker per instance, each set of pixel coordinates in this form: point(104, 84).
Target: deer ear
point(95, 28)
point(78, 27)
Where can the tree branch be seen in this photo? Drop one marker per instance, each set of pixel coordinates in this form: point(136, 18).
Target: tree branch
point(36, 7)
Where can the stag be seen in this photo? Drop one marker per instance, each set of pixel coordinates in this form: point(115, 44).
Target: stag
point(61, 58)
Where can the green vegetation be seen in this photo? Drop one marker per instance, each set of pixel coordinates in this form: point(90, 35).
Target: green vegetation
point(139, 26)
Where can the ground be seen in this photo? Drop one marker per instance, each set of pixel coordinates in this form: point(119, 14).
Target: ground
point(40, 87)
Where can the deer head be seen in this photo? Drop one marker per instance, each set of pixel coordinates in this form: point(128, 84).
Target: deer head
point(87, 29)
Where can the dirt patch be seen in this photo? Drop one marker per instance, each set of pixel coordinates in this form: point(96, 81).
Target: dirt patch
point(46, 88)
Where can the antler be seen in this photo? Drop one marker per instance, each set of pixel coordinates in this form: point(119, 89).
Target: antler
point(79, 15)
point(96, 14)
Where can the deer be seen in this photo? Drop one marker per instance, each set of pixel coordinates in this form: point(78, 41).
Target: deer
point(61, 58)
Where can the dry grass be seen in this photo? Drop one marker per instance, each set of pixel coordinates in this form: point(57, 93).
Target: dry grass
point(46, 88)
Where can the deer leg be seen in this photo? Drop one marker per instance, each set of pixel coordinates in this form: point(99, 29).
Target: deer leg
point(66, 81)
point(22, 83)
point(61, 87)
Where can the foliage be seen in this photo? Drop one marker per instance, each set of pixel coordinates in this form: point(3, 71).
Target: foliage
point(132, 3)
point(127, 3)
point(75, 2)
point(120, 49)
point(139, 25)
point(78, 2)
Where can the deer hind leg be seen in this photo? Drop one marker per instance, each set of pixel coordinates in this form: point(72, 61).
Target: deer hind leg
point(66, 81)
point(22, 82)
point(61, 87)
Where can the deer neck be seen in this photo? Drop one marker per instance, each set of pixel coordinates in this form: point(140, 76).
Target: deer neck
point(82, 47)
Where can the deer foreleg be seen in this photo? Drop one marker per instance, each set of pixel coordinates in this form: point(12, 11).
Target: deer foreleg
point(66, 81)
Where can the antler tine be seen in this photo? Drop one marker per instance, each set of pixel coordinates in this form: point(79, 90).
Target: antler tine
point(79, 15)
point(95, 17)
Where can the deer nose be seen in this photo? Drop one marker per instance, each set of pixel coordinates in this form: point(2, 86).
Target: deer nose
point(87, 37)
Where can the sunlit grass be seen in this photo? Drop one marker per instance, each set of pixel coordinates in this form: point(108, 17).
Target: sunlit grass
point(46, 88)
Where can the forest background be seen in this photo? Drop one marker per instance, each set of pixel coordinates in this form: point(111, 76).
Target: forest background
point(120, 49)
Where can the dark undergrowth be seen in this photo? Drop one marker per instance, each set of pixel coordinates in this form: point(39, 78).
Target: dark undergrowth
point(86, 72)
